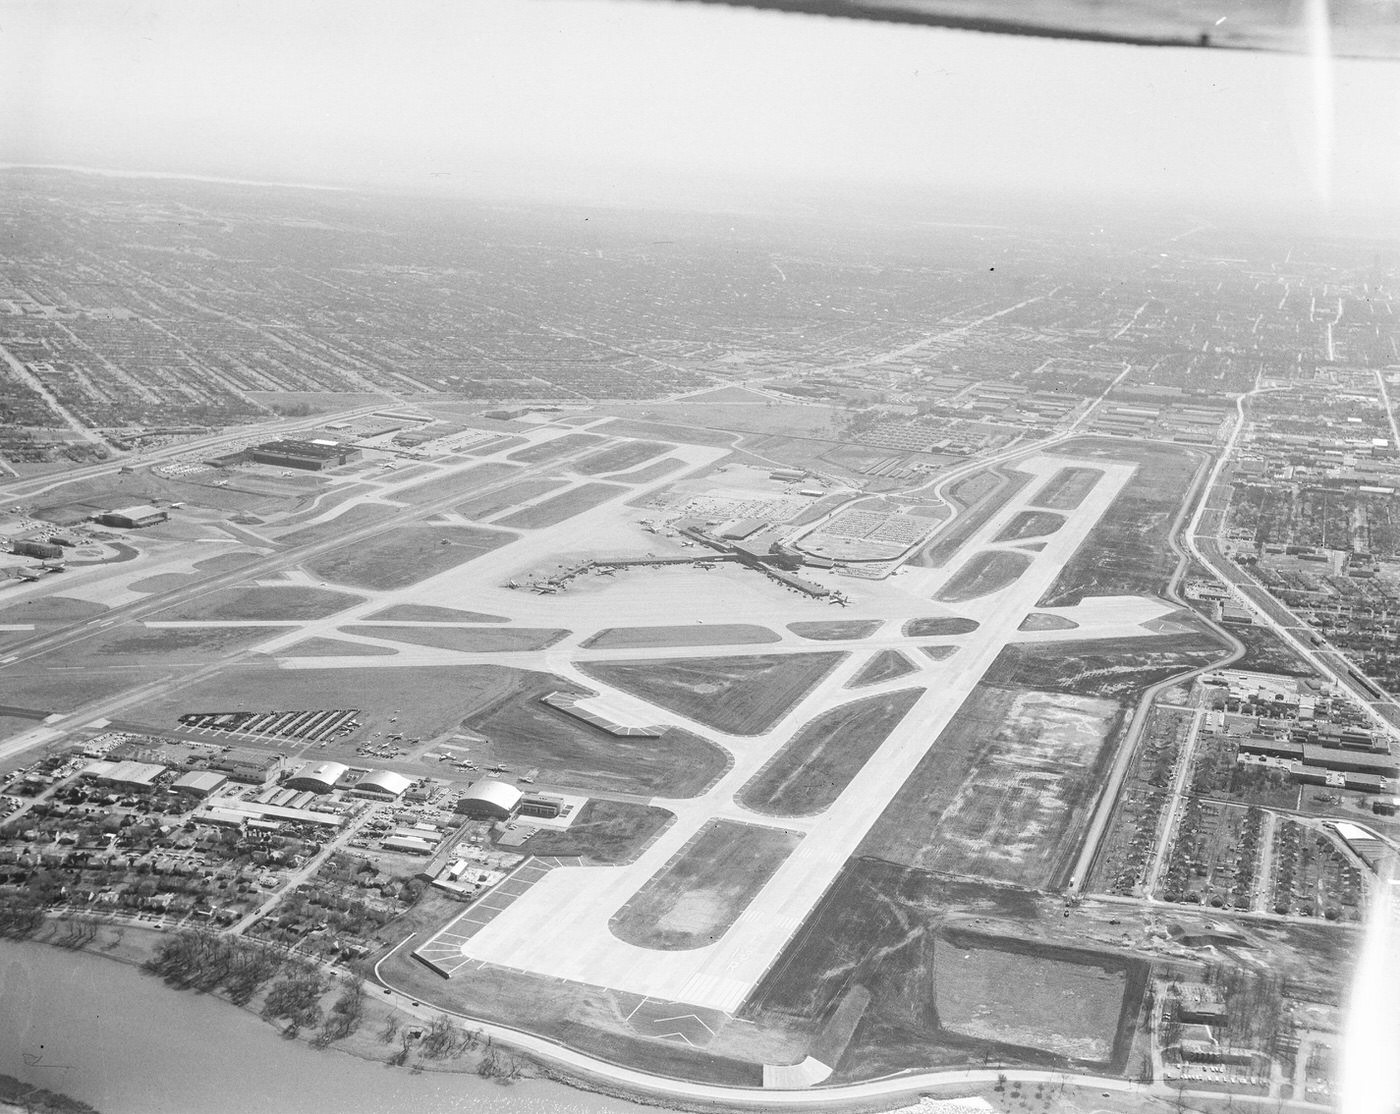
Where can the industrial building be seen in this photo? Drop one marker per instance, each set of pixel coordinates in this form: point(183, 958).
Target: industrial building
point(545, 807)
point(126, 775)
point(200, 783)
point(319, 778)
point(311, 456)
point(490, 799)
point(234, 812)
point(132, 518)
point(30, 547)
point(249, 766)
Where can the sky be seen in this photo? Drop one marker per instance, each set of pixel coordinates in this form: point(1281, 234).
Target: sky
point(597, 100)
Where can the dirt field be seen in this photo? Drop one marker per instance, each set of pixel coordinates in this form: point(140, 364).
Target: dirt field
point(620, 458)
point(983, 573)
point(562, 506)
point(468, 639)
point(428, 613)
point(816, 765)
point(523, 733)
point(605, 832)
point(404, 557)
point(255, 603)
point(1030, 524)
point(51, 609)
point(836, 630)
point(741, 695)
point(361, 514)
point(884, 666)
point(494, 502)
point(560, 446)
point(980, 497)
point(692, 900)
point(939, 625)
point(457, 483)
point(1066, 489)
point(1003, 790)
point(711, 634)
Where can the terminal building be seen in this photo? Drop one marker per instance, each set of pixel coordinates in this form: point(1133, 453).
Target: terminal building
point(311, 456)
point(132, 518)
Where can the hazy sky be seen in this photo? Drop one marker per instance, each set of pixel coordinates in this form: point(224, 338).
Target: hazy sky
point(624, 98)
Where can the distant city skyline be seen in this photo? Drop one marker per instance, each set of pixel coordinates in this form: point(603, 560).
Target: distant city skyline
point(598, 101)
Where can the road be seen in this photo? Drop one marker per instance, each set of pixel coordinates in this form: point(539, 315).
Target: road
point(1166, 833)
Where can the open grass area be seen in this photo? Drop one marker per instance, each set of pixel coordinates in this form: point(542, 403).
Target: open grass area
point(685, 435)
point(559, 446)
point(1066, 489)
point(431, 613)
point(836, 630)
point(332, 648)
point(1030, 524)
point(66, 688)
point(938, 626)
point(523, 732)
point(563, 506)
point(1128, 552)
point(361, 514)
point(404, 557)
point(256, 603)
point(813, 768)
point(978, 498)
point(938, 653)
point(51, 609)
point(163, 582)
point(743, 695)
point(492, 503)
point(227, 562)
point(620, 458)
point(1103, 667)
point(1003, 791)
point(653, 471)
point(884, 666)
point(604, 831)
point(1040, 620)
point(983, 573)
point(462, 483)
point(708, 634)
point(697, 896)
point(1265, 652)
point(470, 640)
point(133, 643)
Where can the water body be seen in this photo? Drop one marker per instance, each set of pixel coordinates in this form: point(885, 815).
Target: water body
point(121, 1040)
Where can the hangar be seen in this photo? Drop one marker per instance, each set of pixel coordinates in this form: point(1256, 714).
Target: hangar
point(490, 799)
point(382, 785)
point(320, 778)
point(131, 518)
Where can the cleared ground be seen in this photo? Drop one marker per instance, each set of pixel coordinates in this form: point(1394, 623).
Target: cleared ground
point(429, 613)
point(983, 573)
point(494, 502)
point(692, 900)
point(811, 770)
point(604, 832)
point(836, 630)
point(466, 639)
point(939, 625)
point(710, 634)
point(560, 507)
point(741, 695)
point(406, 556)
point(621, 457)
point(1030, 524)
point(1066, 489)
point(254, 603)
point(884, 666)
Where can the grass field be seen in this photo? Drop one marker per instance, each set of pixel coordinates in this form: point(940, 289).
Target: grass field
point(563, 506)
point(226, 562)
point(255, 603)
point(983, 573)
point(1103, 667)
point(471, 640)
point(980, 496)
point(710, 634)
point(1265, 652)
point(815, 766)
point(51, 609)
point(163, 582)
point(836, 630)
point(741, 695)
point(695, 898)
point(503, 499)
point(604, 831)
point(559, 446)
point(653, 471)
point(1128, 552)
point(1066, 489)
point(884, 666)
point(938, 653)
point(66, 689)
point(332, 648)
point(685, 435)
point(523, 732)
point(430, 613)
point(404, 557)
point(1030, 524)
point(463, 483)
point(938, 626)
point(1039, 620)
point(620, 458)
point(361, 514)
point(133, 643)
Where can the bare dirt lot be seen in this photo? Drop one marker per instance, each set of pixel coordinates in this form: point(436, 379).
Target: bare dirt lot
point(254, 603)
point(404, 557)
point(468, 639)
point(710, 634)
point(694, 898)
point(812, 769)
point(741, 695)
point(561, 507)
point(983, 573)
point(884, 666)
point(604, 832)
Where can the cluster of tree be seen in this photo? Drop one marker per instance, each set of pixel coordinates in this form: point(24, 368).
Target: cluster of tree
point(345, 1015)
point(206, 961)
point(296, 1000)
point(15, 1094)
point(20, 917)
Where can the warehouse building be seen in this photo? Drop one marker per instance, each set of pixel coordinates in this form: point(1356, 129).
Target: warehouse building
point(490, 799)
point(311, 456)
point(319, 778)
point(132, 518)
point(126, 775)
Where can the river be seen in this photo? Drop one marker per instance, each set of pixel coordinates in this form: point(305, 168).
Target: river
point(107, 1034)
